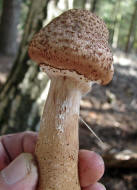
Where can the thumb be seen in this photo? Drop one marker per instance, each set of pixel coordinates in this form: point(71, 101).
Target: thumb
point(21, 174)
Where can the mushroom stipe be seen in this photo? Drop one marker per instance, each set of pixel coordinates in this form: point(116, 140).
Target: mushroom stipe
point(73, 50)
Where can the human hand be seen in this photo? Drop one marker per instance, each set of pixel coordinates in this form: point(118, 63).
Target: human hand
point(18, 169)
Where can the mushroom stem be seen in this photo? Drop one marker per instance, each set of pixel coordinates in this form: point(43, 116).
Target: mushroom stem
point(58, 145)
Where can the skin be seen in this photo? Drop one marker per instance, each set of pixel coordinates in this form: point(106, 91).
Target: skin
point(91, 165)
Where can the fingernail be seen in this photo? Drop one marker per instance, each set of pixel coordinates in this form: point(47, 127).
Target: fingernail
point(18, 169)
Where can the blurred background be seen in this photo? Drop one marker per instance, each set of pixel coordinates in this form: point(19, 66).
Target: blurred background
point(111, 111)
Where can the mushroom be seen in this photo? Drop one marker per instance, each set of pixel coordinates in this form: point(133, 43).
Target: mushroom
point(73, 50)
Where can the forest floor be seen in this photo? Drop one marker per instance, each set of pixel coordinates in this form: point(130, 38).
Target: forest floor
point(111, 111)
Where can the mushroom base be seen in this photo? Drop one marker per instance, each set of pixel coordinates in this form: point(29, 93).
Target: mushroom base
point(57, 147)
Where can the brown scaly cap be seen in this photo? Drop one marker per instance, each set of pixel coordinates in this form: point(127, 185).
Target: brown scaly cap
point(77, 40)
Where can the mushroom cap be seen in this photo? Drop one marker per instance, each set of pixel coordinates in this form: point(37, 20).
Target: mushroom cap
point(77, 41)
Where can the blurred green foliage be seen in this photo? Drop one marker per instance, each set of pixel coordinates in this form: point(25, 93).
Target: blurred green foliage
point(1, 3)
point(24, 11)
point(111, 13)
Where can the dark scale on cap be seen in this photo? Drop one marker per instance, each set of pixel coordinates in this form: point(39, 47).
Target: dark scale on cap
point(76, 40)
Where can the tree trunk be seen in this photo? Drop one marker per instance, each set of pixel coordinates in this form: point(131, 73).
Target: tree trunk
point(8, 27)
point(131, 33)
point(117, 20)
point(94, 6)
point(134, 41)
point(20, 96)
point(78, 4)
